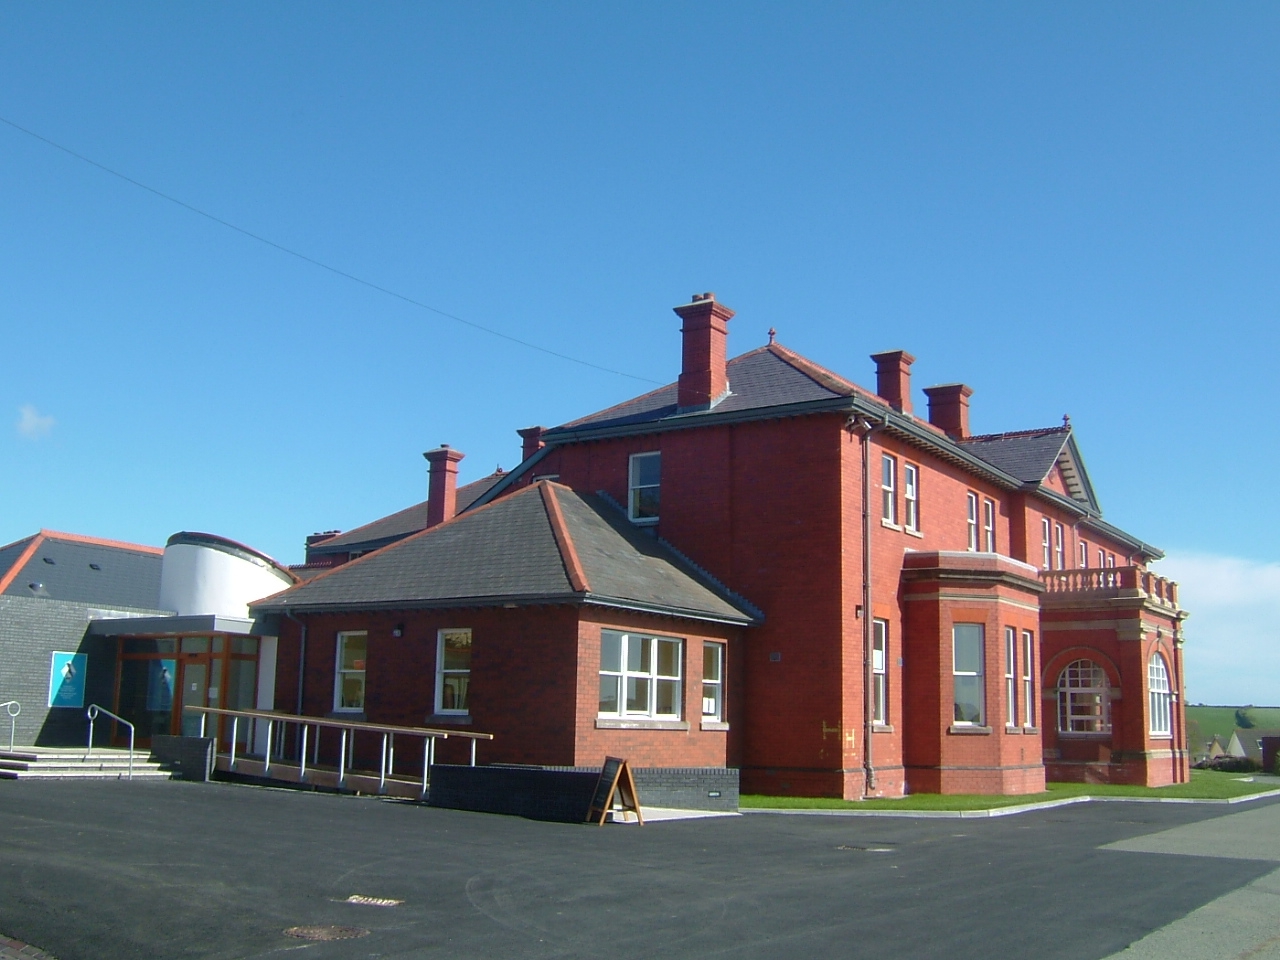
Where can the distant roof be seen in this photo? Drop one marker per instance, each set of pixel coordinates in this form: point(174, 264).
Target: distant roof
point(68, 566)
point(543, 544)
point(400, 524)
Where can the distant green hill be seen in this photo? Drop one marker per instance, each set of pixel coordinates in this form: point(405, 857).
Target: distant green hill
point(1203, 723)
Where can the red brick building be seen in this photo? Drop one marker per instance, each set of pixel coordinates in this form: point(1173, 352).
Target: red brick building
point(916, 609)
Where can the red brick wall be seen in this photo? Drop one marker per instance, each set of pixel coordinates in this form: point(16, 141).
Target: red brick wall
point(692, 746)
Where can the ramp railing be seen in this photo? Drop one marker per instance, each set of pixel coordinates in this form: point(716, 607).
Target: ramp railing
point(309, 730)
point(12, 708)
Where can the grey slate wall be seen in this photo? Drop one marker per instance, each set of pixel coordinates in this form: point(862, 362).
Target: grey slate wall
point(564, 793)
point(31, 630)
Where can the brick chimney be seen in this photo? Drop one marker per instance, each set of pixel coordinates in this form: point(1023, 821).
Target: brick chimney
point(704, 375)
point(532, 437)
point(893, 378)
point(949, 408)
point(442, 489)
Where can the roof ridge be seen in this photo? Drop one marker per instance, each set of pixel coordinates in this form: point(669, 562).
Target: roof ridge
point(1012, 434)
point(23, 559)
point(564, 540)
point(823, 376)
point(100, 541)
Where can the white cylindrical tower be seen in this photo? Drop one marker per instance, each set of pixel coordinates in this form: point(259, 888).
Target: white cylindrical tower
point(204, 574)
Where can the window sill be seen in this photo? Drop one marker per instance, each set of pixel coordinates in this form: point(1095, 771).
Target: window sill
point(890, 525)
point(1078, 735)
point(882, 728)
point(1031, 730)
point(461, 718)
point(968, 730)
point(355, 716)
point(1012, 730)
point(644, 521)
point(611, 723)
point(1160, 736)
point(714, 725)
point(912, 533)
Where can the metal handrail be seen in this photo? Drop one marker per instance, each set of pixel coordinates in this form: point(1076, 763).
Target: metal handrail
point(92, 714)
point(349, 729)
point(12, 708)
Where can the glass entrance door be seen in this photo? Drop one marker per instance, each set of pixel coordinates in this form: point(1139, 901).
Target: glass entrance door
point(195, 687)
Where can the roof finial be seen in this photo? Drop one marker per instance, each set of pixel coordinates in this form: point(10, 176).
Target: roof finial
point(1066, 420)
point(772, 334)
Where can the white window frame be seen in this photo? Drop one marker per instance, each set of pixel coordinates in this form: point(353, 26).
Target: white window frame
point(958, 674)
point(971, 506)
point(1159, 696)
point(634, 487)
point(1084, 554)
point(1028, 678)
point(442, 673)
point(651, 676)
point(889, 489)
point(1011, 676)
point(1048, 548)
point(911, 497)
point(880, 672)
point(339, 674)
point(713, 686)
point(1084, 699)
point(1059, 548)
point(989, 525)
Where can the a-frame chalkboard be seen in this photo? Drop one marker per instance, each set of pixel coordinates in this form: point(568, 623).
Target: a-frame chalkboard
point(615, 782)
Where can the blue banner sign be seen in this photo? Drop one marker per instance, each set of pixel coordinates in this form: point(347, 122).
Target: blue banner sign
point(66, 679)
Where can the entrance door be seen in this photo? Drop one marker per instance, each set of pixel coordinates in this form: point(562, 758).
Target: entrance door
point(195, 687)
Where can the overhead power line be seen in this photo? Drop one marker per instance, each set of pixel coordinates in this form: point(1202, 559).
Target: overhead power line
point(318, 263)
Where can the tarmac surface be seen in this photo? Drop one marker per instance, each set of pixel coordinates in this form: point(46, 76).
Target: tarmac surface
point(104, 870)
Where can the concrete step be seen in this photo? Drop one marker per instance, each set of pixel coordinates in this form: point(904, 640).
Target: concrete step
point(67, 774)
point(71, 763)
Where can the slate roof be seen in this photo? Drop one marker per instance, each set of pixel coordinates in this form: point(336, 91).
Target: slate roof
point(400, 524)
point(770, 376)
point(64, 566)
point(543, 544)
point(1028, 455)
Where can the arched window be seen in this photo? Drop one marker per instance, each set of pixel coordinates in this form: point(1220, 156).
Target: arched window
point(1084, 699)
point(1159, 696)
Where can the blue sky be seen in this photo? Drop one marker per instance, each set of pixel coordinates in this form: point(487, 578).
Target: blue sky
point(1070, 207)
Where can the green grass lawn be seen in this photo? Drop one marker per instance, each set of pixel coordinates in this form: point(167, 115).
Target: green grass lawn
point(1204, 785)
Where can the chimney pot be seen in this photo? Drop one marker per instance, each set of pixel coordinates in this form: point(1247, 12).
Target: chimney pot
point(442, 488)
point(704, 374)
point(949, 408)
point(532, 437)
point(893, 378)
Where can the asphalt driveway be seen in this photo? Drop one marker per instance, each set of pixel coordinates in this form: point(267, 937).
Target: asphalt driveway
point(97, 871)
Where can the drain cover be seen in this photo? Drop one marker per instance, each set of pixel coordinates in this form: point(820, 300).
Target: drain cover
point(327, 932)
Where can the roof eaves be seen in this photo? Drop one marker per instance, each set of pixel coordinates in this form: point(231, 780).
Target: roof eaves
point(687, 613)
point(1110, 530)
point(1083, 472)
point(684, 421)
point(518, 600)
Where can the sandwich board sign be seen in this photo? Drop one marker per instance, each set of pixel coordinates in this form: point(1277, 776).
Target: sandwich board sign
point(66, 679)
point(615, 783)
